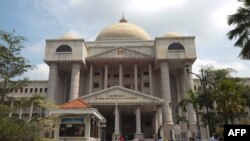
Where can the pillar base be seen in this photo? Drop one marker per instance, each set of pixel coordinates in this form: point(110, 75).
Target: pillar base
point(138, 135)
point(167, 131)
point(115, 136)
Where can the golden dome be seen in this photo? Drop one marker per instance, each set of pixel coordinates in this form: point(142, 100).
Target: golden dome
point(123, 30)
point(69, 36)
point(172, 34)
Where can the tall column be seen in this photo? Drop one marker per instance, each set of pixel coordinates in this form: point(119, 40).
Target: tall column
point(138, 120)
point(116, 133)
point(31, 110)
point(182, 89)
point(156, 122)
point(159, 119)
point(53, 72)
point(150, 79)
point(166, 95)
point(190, 86)
point(20, 113)
point(11, 108)
point(120, 75)
point(105, 76)
point(117, 120)
point(135, 77)
point(75, 80)
point(90, 78)
point(159, 115)
point(138, 133)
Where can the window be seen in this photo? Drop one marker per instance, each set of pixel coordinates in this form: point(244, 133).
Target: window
point(72, 130)
point(145, 73)
point(175, 46)
point(96, 73)
point(31, 90)
point(146, 84)
point(195, 88)
point(127, 86)
point(45, 90)
point(64, 48)
point(16, 90)
point(35, 90)
point(72, 127)
point(26, 90)
point(96, 85)
point(41, 90)
point(127, 75)
point(21, 90)
point(116, 75)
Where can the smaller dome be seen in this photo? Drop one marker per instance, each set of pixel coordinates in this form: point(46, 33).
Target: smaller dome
point(172, 34)
point(69, 36)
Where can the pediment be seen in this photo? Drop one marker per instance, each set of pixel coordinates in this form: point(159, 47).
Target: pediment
point(120, 53)
point(120, 95)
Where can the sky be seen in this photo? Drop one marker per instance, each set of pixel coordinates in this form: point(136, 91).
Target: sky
point(39, 20)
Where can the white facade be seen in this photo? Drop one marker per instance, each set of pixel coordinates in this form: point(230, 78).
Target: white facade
point(133, 80)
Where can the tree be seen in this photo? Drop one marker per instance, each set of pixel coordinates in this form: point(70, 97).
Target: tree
point(12, 64)
point(17, 130)
point(229, 99)
point(241, 31)
point(192, 99)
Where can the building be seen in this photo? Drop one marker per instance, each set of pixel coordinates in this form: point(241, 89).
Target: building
point(133, 80)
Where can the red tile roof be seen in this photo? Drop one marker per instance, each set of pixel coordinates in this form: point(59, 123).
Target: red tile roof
point(74, 104)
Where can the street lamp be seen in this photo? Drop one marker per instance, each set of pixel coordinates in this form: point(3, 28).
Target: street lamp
point(203, 81)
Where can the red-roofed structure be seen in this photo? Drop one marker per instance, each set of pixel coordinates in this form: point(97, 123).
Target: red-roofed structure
point(75, 104)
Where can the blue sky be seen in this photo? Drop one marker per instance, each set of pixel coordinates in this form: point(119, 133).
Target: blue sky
point(47, 19)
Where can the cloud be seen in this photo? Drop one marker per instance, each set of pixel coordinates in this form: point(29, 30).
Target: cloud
point(41, 72)
point(241, 68)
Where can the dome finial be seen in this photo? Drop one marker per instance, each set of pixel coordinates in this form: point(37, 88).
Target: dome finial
point(123, 20)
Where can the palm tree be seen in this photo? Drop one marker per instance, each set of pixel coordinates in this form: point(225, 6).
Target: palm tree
point(241, 31)
point(229, 100)
point(181, 119)
point(193, 100)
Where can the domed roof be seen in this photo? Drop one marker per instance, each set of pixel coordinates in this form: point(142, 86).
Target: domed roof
point(172, 34)
point(69, 36)
point(123, 30)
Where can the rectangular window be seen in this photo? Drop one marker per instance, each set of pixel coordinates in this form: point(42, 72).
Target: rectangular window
point(41, 90)
point(145, 73)
point(195, 88)
point(35, 90)
point(26, 90)
point(146, 84)
point(127, 75)
point(72, 130)
point(127, 86)
point(21, 90)
point(96, 85)
point(16, 90)
point(116, 75)
point(31, 90)
point(45, 90)
point(96, 73)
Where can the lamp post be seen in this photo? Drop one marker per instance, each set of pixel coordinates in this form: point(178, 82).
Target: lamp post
point(203, 81)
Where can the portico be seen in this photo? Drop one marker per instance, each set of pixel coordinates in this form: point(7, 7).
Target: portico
point(130, 112)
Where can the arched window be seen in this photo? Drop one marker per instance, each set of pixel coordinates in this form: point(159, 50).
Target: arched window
point(175, 46)
point(64, 48)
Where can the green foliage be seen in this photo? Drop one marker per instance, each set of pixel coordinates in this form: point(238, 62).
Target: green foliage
point(229, 99)
point(17, 130)
point(241, 31)
point(12, 64)
point(4, 110)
